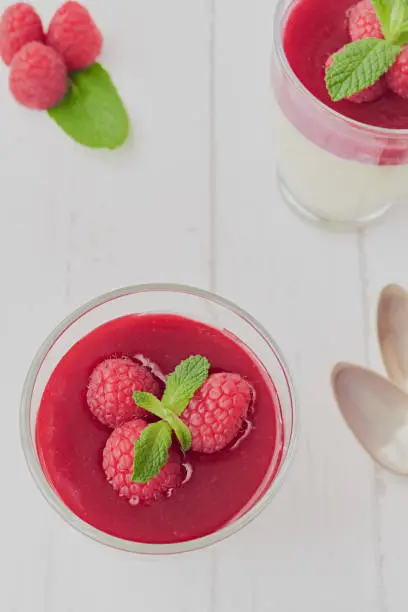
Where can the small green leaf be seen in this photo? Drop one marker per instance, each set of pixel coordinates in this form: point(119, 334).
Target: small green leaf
point(149, 402)
point(383, 10)
point(359, 65)
point(180, 429)
point(393, 16)
point(402, 39)
point(92, 112)
point(398, 15)
point(181, 385)
point(151, 451)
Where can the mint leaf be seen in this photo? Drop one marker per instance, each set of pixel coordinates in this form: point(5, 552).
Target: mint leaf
point(359, 65)
point(151, 451)
point(393, 16)
point(180, 429)
point(181, 385)
point(383, 10)
point(92, 112)
point(149, 402)
point(402, 38)
point(398, 16)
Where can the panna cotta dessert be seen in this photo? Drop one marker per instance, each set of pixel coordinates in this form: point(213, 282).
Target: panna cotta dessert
point(156, 431)
point(340, 77)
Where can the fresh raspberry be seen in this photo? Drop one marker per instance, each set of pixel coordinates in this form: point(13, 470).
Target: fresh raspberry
point(216, 412)
point(118, 456)
point(73, 33)
point(111, 386)
point(19, 25)
point(38, 76)
point(397, 76)
point(371, 93)
point(363, 21)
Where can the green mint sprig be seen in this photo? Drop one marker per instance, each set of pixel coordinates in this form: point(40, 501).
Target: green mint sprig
point(92, 112)
point(361, 63)
point(151, 450)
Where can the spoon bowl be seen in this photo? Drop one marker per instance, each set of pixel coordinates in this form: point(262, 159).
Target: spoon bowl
point(376, 411)
point(392, 327)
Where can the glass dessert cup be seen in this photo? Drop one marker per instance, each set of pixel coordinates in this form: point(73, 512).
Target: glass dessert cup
point(332, 170)
point(188, 302)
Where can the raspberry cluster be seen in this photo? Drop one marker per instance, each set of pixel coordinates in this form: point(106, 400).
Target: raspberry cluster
point(214, 415)
point(40, 61)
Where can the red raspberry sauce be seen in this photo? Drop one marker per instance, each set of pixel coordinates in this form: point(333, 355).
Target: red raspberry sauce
point(70, 440)
point(314, 30)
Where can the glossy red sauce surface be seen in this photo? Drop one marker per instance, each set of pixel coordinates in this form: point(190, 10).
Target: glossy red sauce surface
point(70, 440)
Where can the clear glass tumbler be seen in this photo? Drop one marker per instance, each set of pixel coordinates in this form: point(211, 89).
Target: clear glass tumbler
point(160, 298)
point(332, 170)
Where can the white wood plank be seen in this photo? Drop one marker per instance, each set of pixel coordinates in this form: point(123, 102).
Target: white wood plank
point(313, 548)
point(74, 223)
point(384, 255)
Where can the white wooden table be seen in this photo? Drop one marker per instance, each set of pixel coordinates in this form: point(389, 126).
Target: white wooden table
point(193, 199)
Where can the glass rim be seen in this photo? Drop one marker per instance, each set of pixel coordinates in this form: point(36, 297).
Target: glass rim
point(28, 443)
point(281, 9)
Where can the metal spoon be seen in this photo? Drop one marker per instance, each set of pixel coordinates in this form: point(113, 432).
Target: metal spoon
point(392, 326)
point(376, 411)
